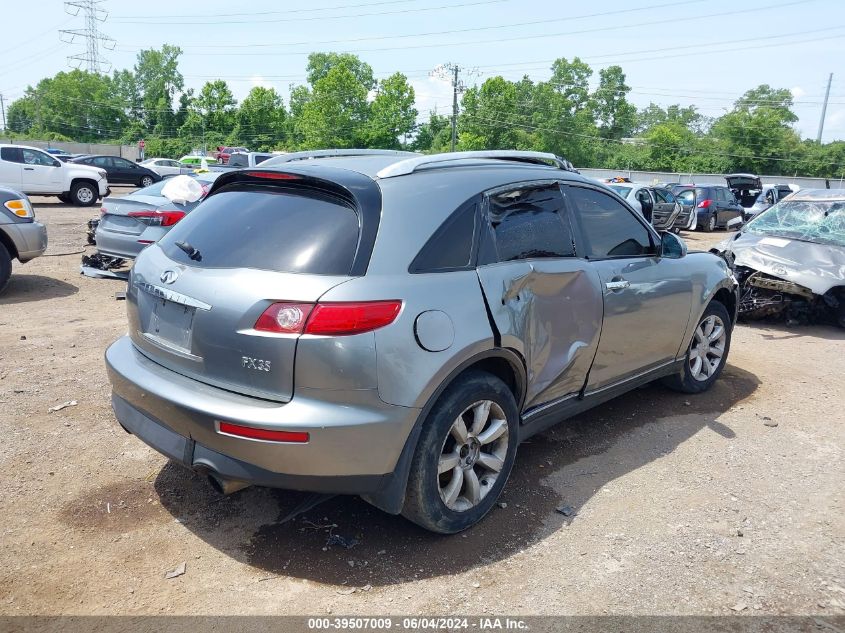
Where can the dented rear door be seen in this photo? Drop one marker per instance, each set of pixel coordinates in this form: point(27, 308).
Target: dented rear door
point(545, 302)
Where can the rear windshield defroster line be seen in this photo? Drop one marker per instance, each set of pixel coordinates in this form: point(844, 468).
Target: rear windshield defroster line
point(289, 230)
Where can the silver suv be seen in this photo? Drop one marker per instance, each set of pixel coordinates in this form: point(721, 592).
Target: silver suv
point(393, 326)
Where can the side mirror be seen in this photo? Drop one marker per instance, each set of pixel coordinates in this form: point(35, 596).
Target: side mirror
point(672, 246)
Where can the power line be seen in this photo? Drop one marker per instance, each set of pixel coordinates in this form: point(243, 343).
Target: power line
point(453, 71)
point(508, 25)
point(93, 15)
point(322, 18)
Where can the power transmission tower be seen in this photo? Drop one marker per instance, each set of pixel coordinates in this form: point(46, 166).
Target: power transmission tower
point(452, 72)
point(824, 109)
point(93, 14)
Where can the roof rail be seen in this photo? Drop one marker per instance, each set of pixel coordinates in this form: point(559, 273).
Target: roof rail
point(410, 165)
point(328, 153)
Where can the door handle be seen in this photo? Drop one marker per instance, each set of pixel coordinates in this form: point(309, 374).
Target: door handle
point(29, 168)
point(620, 284)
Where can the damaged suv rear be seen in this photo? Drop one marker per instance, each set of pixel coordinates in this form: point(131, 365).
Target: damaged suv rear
point(790, 260)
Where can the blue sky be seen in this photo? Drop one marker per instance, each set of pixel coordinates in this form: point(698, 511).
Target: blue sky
point(693, 52)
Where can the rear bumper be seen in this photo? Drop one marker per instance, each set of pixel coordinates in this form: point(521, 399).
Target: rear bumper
point(355, 438)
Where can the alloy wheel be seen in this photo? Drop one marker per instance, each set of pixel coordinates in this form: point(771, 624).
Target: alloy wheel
point(472, 456)
point(707, 348)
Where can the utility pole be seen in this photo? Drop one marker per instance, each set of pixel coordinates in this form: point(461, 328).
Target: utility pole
point(452, 72)
point(3, 110)
point(93, 15)
point(824, 109)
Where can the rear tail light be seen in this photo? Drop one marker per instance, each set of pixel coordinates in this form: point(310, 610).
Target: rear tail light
point(298, 437)
point(158, 218)
point(704, 204)
point(328, 319)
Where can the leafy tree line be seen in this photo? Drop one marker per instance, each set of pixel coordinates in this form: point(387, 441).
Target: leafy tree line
point(343, 105)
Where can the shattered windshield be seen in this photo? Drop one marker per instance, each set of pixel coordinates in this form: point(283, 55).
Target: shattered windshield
point(820, 221)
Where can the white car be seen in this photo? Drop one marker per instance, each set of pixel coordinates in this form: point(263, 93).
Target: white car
point(165, 167)
point(658, 205)
point(34, 172)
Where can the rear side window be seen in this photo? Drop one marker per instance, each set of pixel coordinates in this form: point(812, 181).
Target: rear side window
point(608, 227)
point(285, 230)
point(451, 245)
point(530, 223)
point(11, 154)
point(686, 197)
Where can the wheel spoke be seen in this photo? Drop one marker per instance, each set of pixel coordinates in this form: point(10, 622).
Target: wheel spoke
point(496, 429)
point(459, 430)
point(695, 369)
point(453, 489)
point(707, 368)
point(715, 351)
point(708, 324)
point(716, 333)
point(480, 413)
point(473, 487)
point(448, 462)
point(491, 462)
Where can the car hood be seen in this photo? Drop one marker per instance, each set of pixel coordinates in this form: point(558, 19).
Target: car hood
point(818, 267)
point(88, 168)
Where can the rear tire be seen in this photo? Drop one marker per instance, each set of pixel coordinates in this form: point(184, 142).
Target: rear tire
point(5, 267)
point(83, 194)
point(464, 455)
point(146, 181)
point(710, 225)
point(707, 354)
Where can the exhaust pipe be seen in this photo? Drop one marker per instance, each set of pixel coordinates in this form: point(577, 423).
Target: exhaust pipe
point(224, 485)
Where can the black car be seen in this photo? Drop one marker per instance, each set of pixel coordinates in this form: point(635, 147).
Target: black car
point(716, 206)
point(121, 170)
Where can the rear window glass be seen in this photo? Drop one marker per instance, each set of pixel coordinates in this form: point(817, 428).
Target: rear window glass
point(276, 229)
point(622, 191)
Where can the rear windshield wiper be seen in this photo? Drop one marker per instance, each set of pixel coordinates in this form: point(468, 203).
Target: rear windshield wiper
point(191, 251)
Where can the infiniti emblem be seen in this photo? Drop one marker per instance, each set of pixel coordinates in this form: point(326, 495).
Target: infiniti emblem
point(169, 276)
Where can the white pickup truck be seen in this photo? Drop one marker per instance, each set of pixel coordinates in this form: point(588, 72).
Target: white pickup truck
point(35, 172)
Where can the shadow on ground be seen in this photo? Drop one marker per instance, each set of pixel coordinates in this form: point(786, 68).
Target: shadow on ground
point(25, 288)
point(778, 330)
point(391, 550)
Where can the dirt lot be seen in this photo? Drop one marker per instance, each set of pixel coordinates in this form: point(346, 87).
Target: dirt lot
point(729, 502)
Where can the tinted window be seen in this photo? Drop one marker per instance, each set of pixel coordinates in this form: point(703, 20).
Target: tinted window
point(262, 158)
point(703, 194)
point(238, 160)
point(664, 195)
point(122, 163)
point(643, 197)
point(530, 223)
point(101, 161)
point(11, 154)
point(609, 228)
point(622, 191)
point(285, 230)
point(450, 247)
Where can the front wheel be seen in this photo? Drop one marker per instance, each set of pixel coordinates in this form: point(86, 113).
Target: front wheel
point(464, 455)
point(83, 194)
point(707, 353)
point(146, 181)
point(5, 267)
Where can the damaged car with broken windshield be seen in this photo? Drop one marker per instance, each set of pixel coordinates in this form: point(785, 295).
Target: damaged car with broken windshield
point(790, 260)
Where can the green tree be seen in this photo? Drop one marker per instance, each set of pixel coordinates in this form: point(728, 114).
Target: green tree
point(434, 135)
point(158, 80)
point(261, 119)
point(319, 65)
point(335, 112)
point(392, 113)
point(757, 132)
point(615, 116)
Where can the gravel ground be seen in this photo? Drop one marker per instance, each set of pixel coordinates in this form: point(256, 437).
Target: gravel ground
point(730, 502)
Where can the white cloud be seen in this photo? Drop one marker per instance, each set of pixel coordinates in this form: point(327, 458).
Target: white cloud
point(432, 94)
point(257, 80)
point(797, 92)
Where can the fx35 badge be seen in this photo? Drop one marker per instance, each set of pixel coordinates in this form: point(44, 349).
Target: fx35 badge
point(255, 363)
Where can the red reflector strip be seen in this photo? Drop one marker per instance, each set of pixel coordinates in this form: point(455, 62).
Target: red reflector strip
point(272, 175)
point(249, 432)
